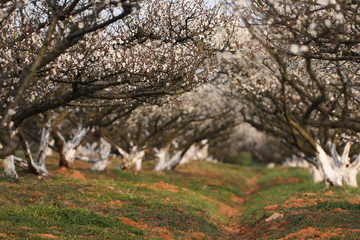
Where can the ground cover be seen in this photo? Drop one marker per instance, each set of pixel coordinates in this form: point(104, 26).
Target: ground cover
point(199, 201)
point(288, 205)
point(196, 201)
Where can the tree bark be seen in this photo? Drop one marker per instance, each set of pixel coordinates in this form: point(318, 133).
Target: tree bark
point(21, 163)
point(9, 167)
point(87, 159)
point(163, 155)
point(104, 162)
point(68, 149)
point(190, 153)
point(317, 173)
point(174, 160)
point(138, 164)
point(338, 169)
point(38, 167)
point(129, 159)
point(203, 152)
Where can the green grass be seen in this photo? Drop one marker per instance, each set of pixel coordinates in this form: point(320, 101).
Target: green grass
point(319, 210)
point(39, 217)
point(196, 201)
point(274, 190)
point(95, 207)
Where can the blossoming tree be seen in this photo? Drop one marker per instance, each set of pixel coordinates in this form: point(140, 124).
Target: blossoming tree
point(95, 53)
point(101, 53)
point(300, 81)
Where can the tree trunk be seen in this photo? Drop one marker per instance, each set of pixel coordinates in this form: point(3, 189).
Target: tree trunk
point(104, 162)
point(21, 163)
point(174, 160)
point(190, 153)
point(350, 178)
point(49, 151)
point(195, 152)
point(352, 171)
point(38, 167)
point(203, 152)
point(89, 149)
point(9, 167)
point(317, 173)
point(68, 150)
point(338, 169)
point(162, 155)
point(129, 159)
point(138, 164)
point(296, 162)
point(332, 174)
point(87, 152)
point(87, 159)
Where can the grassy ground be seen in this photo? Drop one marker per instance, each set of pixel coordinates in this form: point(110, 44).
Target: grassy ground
point(196, 201)
point(306, 210)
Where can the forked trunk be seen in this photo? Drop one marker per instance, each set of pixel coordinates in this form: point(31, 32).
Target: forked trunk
point(68, 149)
point(338, 169)
point(38, 167)
point(129, 159)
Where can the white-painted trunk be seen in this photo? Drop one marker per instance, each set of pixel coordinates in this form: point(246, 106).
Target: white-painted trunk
point(332, 173)
point(49, 151)
point(21, 163)
point(87, 152)
point(317, 174)
point(138, 165)
point(87, 159)
point(129, 159)
point(211, 159)
point(190, 153)
point(296, 162)
point(338, 169)
point(69, 149)
point(174, 160)
point(105, 149)
point(162, 155)
point(9, 167)
point(41, 156)
point(202, 153)
point(353, 169)
point(350, 178)
point(38, 167)
point(89, 149)
point(196, 153)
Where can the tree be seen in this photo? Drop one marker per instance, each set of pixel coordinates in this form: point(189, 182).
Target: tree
point(99, 53)
point(299, 81)
point(205, 118)
point(84, 119)
point(183, 122)
point(314, 46)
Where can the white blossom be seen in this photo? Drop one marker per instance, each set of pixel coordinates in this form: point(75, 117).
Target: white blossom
point(328, 23)
point(312, 26)
point(11, 112)
point(294, 48)
point(242, 3)
point(323, 2)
